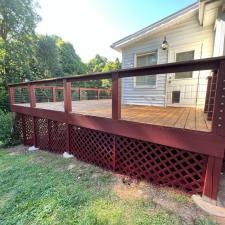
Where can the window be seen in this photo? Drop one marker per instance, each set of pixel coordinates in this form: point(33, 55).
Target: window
point(146, 60)
point(184, 56)
point(176, 97)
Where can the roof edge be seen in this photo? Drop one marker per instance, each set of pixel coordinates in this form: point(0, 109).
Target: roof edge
point(116, 45)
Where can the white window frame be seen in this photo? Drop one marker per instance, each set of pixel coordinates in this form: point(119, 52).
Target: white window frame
point(135, 65)
point(184, 48)
point(177, 52)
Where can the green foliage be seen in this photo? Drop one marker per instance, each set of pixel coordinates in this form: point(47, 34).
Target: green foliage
point(96, 64)
point(43, 188)
point(4, 98)
point(70, 61)
point(8, 133)
point(18, 19)
point(26, 56)
point(48, 56)
point(101, 64)
point(110, 66)
point(205, 221)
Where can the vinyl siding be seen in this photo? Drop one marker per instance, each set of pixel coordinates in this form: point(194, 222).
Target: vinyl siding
point(179, 36)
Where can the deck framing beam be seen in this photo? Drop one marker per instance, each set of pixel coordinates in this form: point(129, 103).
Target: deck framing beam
point(195, 141)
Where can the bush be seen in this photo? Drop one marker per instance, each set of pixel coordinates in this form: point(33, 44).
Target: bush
point(8, 131)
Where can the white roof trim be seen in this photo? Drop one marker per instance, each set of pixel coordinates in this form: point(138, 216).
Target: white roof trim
point(141, 33)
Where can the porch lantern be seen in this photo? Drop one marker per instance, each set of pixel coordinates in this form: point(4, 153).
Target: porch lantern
point(165, 44)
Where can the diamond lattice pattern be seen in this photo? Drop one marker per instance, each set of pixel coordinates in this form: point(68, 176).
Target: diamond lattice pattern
point(160, 164)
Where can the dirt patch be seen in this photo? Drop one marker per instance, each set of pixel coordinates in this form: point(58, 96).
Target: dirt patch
point(166, 198)
point(127, 192)
point(127, 188)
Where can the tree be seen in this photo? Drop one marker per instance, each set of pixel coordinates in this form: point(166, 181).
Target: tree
point(111, 66)
point(18, 19)
point(102, 64)
point(70, 61)
point(48, 56)
point(96, 64)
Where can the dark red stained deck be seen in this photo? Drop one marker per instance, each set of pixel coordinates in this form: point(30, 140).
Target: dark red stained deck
point(185, 118)
point(168, 146)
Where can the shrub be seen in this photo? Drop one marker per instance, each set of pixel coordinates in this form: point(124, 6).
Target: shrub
point(8, 132)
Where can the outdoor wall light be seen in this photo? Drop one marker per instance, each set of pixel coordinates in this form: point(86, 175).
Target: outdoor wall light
point(165, 44)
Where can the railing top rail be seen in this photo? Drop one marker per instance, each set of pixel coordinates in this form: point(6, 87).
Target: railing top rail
point(73, 88)
point(193, 65)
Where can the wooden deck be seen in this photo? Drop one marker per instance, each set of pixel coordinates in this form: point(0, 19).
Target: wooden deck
point(186, 118)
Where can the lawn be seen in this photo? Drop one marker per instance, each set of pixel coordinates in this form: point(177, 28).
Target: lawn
point(44, 188)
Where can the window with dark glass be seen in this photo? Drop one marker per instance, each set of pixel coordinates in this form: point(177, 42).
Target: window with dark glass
point(184, 56)
point(146, 60)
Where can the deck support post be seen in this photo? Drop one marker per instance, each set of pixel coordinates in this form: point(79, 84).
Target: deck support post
point(11, 96)
point(53, 94)
point(68, 109)
point(79, 94)
point(116, 97)
point(218, 117)
point(212, 178)
point(67, 96)
point(32, 96)
point(98, 94)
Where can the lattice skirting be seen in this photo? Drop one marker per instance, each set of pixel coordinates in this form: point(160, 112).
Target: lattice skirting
point(156, 163)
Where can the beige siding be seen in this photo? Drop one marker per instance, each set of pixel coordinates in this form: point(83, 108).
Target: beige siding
point(180, 36)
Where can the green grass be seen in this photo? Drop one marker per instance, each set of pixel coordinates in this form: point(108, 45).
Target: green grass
point(43, 188)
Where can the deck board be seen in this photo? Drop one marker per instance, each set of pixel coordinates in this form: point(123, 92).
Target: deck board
point(185, 118)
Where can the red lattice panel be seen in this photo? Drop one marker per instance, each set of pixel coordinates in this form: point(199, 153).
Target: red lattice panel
point(57, 136)
point(161, 164)
point(19, 126)
point(92, 146)
point(156, 163)
point(41, 129)
point(28, 132)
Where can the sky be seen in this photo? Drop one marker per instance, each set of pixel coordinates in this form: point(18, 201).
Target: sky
point(93, 25)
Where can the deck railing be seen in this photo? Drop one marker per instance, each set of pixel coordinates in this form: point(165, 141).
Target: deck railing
point(215, 94)
point(210, 143)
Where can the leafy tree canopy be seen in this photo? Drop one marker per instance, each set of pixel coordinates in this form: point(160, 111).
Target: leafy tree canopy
point(18, 19)
point(70, 61)
point(25, 55)
point(102, 64)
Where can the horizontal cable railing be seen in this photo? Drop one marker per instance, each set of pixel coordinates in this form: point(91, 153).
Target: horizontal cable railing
point(195, 103)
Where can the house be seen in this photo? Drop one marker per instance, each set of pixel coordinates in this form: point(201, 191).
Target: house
point(194, 32)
